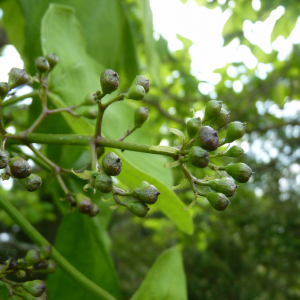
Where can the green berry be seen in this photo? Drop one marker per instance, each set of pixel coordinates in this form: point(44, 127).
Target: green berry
point(42, 64)
point(109, 81)
point(143, 81)
point(94, 211)
point(221, 120)
point(217, 200)
point(193, 126)
point(17, 77)
point(19, 167)
point(52, 60)
point(90, 114)
point(103, 183)
point(234, 151)
point(84, 203)
point(213, 108)
point(36, 287)
point(89, 100)
point(240, 172)
point(198, 157)
point(138, 208)
point(136, 92)
point(140, 116)
point(235, 131)
point(31, 183)
point(207, 138)
point(4, 89)
point(51, 267)
point(3, 159)
point(224, 185)
point(111, 164)
point(146, 193)
point(33, 257)
point(22, 263)
point(45, 251)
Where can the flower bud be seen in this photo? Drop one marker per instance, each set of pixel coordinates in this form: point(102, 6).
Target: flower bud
point(51, 267)
point(46, 266)
point(32, 257)
point(111, 164)
point(193, 126)
point(45, 251)
point(31, 183)
point(52, 60)
point(224, 185)
point(235, 131)
point(207, 138)
point(90, 114)
point(146, 193)
point(138, 208)
point(103, 183)
point(3, 159)
point(84, 203)
point(143, 81)
point(22, 263)
point(36, 287)
point(42, 64)
point(17, 77)
point(109, 81)
point(136, 92)
point(89, 100)
point(94, 211)
point(221, 120)
point(234, 151)
point(217, 200)
point(4, 89)
point(198, 157)
point(240, 172)
point(140, 116)
point(212, 109)
point(19, 167)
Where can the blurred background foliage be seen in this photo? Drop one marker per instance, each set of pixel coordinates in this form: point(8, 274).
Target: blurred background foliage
point(249, 251)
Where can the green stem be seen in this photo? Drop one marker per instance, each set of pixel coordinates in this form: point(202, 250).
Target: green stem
point(98, 127)
point(16, 99)
point(38, 239)
point(127, 133)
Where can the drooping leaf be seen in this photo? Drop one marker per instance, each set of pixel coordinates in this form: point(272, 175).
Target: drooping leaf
point(165, 280)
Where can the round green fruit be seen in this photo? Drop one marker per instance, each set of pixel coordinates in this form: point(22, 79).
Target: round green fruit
point(111, 164)
point(103, 183)
point(198, 157)
point(19, 167)
point(109, 81)
point(207, 138)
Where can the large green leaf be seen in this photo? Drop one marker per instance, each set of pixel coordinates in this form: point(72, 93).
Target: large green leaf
point(80, 240)
point(165, 280)
point(74, 81)
point(4, 292)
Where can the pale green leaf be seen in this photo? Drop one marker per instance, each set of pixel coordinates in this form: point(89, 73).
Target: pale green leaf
point(178, 133)
point(172, 164)
point(168, 149)
point(86, 175)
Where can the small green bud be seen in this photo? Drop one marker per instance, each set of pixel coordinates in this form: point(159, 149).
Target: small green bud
point(221, 120)
point(146, 193)
point(42, 64)
point(103, 183)
point(90, 114)
point(235, 131)
point(143, 81)
point(46, 266)
point(136, 92)
point(234, 151)
point(224, 185)
point(198, 157)
point(31, 183)
point(140, 116)
point(3, 159)
point(84, 203)
point(111, 164)
point(33, 257)
point(207, 138)
point(212, 109)
point(45, 251)
point(17, 77)
point(52, 60)
point(217, 200)
point(240, 172)
point(51, 268)
point(89, 100)
point(138, 208)
point(193, 126)
point(4, 89)
point(22, 263)
point(35, 287)
point(19, 167)
point(109, 81)
point(94, 211)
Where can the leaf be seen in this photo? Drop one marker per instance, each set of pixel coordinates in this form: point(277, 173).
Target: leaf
point(165, 280)
point(164, 149)
point(172, 164)
point(86, 175)
point(4, 292)
point(79, 239)
point(178, 133)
